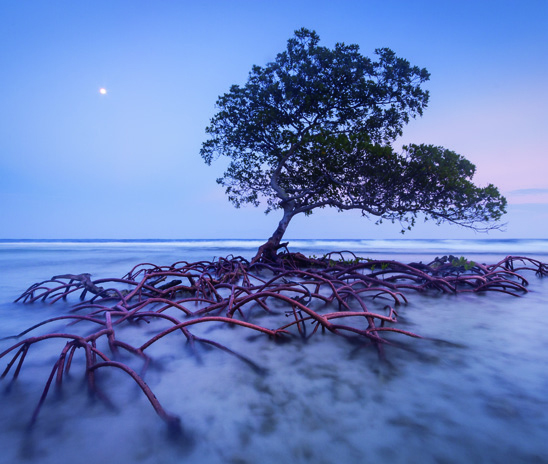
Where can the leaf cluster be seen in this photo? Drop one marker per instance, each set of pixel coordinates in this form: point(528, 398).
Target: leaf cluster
point(313, 128)
point(308, 96)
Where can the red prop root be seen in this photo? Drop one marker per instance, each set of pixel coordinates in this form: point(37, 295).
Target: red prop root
point(230, 290)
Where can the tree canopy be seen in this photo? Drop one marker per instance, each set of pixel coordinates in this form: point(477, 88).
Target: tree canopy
point(314, 128)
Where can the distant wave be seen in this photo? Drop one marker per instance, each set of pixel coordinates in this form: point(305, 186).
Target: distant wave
point(396, 246)
point(507, 246)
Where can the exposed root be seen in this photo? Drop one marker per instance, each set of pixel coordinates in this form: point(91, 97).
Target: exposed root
point(231, 290)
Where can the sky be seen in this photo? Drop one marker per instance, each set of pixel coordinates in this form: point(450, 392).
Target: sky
point(75, 163)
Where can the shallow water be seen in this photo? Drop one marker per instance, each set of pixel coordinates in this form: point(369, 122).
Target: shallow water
point(473, 391)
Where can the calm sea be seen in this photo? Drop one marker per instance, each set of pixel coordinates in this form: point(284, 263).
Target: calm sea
point(474, 391)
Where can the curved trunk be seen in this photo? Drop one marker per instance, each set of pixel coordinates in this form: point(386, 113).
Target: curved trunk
point(268, 252)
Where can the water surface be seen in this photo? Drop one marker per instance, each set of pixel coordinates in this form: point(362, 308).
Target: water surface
point(473, 391)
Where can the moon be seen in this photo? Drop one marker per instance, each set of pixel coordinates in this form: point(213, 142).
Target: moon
point(103, 91)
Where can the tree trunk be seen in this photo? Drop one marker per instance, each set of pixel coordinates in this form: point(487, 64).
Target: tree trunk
point(268, 252)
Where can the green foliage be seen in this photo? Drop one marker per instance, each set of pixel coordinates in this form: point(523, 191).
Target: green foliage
point(463, 263)
point(346, 262)
point(342, 260)
point(313, 129)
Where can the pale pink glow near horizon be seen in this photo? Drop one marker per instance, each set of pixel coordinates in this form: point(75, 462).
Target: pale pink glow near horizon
point(508, 146)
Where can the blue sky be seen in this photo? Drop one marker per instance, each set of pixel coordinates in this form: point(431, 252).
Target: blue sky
point(78, 164)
